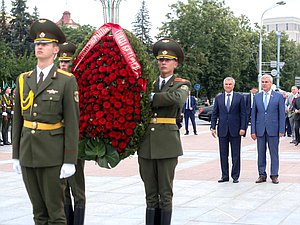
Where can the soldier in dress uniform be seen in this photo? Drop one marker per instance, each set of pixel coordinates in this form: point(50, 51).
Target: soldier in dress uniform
point(76, 183)
point(159, 151)
point(46, 126)
point(7, 113)
point(12, 98)
point(1, 117)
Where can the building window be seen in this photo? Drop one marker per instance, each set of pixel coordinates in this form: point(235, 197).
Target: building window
point(276, 27)
point(286, 26)
point(268, 28)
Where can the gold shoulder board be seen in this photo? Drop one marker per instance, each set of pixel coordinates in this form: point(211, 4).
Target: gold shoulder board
point(64, 72)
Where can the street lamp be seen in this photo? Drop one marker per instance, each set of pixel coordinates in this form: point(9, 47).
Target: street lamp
point(260, 42)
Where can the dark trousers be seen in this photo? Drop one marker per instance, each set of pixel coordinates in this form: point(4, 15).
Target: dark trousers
point(189, 114)
point(297, 135)
point(273, 142)
point(235, 146)
point(6, 122)
point(158, 176)
point(76, 186)
point(46, 193)
point(288, 126)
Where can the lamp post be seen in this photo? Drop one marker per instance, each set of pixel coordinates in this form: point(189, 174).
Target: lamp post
point(111, 10)
point(260, 42)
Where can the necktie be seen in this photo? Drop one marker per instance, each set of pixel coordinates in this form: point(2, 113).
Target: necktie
point(162, 84)
point(266, 101)
point(188, 103)
point(228, 102)
point(40, 80)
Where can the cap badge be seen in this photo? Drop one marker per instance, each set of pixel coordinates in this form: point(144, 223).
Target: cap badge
point(165, 41)
point(165, 52)
point(64, 54)
point(42, 35)
point(42, 21)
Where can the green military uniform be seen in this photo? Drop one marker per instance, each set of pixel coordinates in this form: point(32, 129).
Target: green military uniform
point(7, 115)
point(46, 130)
point(12, 98)
point(159, 151)
point(1, 117)
point(75, 183)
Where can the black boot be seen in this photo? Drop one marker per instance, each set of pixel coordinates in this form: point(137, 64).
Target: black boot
point(165, 216)
point(69, 214)
point(79, 214)
point(150, 216)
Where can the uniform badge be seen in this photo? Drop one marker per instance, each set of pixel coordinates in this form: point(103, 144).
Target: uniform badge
point(184, 87)
point(64, 54)
point(76, 96)
point(165, 52)
point(42, 34)
point(52, 91)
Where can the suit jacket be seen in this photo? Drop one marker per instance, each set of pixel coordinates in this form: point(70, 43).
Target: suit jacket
point(232, 121)
point(55, 101)
point(193, 104)
point(163, 140)
point(271, 120)
point(297, 106)
point(248, 104)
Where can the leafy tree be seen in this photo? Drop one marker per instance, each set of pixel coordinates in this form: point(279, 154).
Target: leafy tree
point(216, 43)
point(78, 35)
point(142, 26)
point(20, 39)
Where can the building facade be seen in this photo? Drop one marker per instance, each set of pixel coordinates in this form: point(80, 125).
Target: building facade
point(288, 25)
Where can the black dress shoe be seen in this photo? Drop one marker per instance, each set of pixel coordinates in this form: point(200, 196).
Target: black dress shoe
point(223, 180)
point(293, 142)
point(275, 180)
point(296, 143)
point(186, 133)
point(261, 179)
point(1, 144)
point(235, 181)
point(7, 143)
point(195, 133)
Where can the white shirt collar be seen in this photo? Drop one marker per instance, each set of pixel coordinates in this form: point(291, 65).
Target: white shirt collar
point(166, 79)
point(45, 71)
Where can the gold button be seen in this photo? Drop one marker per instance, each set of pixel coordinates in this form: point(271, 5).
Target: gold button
point(155, 114)
point(34, 105)
point(152, 129)
point(34, 125)
point(51, 98)
point(33, 131)
point(34, 114)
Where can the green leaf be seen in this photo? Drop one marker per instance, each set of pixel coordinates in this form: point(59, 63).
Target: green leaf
point(111, 159)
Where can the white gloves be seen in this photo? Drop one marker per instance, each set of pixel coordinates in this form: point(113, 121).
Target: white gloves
point(151, 96)
point(67, 170)
point(17, 166)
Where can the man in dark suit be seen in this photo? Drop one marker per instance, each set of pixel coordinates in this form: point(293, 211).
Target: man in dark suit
point(267, 125)
point(161, 146)
point(230, 113)
point(296, 105)
point(189, 110)
point(46, 126)
point(249, 101)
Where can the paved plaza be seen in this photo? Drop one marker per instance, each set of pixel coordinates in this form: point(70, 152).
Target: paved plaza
point(116, 196)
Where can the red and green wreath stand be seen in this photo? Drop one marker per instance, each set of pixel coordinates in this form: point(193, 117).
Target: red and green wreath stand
point(114, 75)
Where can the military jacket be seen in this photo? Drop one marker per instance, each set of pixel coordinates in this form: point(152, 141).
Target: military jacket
point(163, 140)
point(7, 104)
point(55, 101)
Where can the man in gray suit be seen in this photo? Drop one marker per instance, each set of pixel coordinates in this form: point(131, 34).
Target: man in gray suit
point(291, 110)
point(267, 125)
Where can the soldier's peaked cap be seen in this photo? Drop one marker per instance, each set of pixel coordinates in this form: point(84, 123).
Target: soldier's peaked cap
point(46, 31)
point(66, 51)
point(169, 49)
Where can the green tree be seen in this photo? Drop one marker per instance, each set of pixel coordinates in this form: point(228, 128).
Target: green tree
point(35, 14)
point(78, 35)
point(20, 39)
point(4, 28)
point(216, 43)
point(142, 26)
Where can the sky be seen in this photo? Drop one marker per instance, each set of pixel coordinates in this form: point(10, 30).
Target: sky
point(90, 11)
